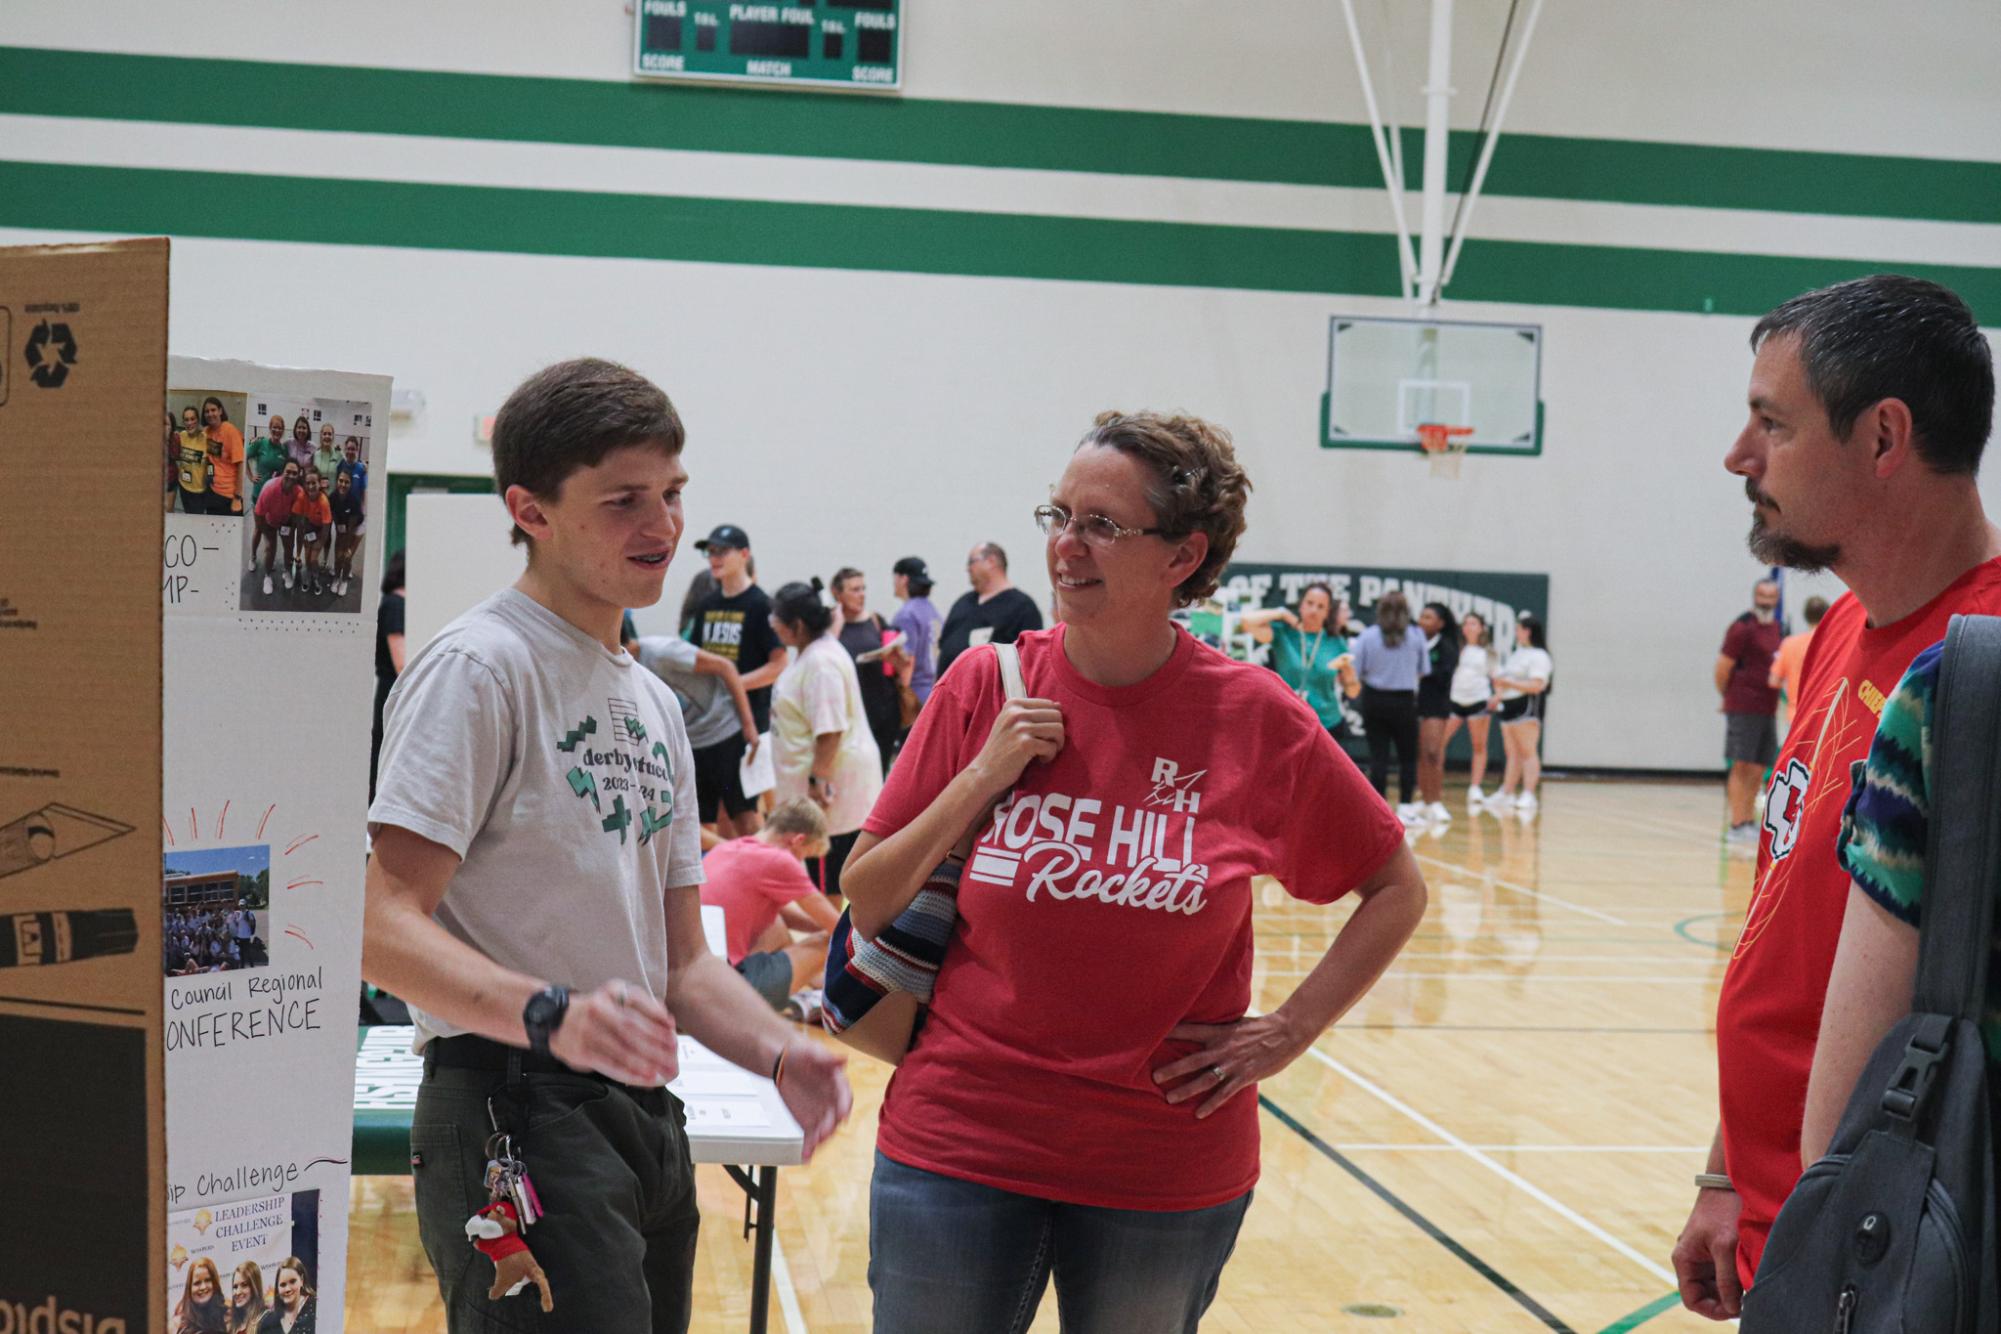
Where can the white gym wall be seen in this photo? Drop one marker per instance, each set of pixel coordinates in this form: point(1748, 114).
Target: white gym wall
point(852, 417)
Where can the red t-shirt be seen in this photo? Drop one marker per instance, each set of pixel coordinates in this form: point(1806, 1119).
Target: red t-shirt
point(1768, 1014)
point(1109, 899)
point(1753, 643)
point(750, 881)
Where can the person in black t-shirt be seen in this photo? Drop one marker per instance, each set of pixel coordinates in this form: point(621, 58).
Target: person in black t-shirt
point(995, 612)
point(734, 623)
point(863, 632)
point(388, 653)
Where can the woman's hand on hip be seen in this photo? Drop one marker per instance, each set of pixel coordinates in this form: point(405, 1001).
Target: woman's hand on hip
point(1026, 730)
point(1229, 1059)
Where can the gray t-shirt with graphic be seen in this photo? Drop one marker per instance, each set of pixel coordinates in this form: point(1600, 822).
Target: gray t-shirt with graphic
point(560, 772)
point(706, 704)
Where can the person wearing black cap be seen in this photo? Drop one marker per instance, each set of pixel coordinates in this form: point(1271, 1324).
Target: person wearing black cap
point(995, 612)
point(918, 620)
point(734, 623)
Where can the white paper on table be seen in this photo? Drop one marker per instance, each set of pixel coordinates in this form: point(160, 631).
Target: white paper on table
point(758, 775)
point(717, 1114)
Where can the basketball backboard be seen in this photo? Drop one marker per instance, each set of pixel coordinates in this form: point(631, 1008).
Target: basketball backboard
point(1386, 377)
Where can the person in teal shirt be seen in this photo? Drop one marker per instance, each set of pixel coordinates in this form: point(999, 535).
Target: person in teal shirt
point(266, 457)
point(1309, 651)
point(1884, 841)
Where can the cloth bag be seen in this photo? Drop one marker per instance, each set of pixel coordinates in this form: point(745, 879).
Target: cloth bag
point(1894, 1230)
point(875, 989)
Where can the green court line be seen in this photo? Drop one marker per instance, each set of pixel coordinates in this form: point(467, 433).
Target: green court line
point(269, 94)
point(1681, 929)
point(1640, 1317)
point(70, 197)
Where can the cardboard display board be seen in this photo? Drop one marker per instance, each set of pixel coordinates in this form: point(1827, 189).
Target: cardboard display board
point(270, 591)
point(83, 361)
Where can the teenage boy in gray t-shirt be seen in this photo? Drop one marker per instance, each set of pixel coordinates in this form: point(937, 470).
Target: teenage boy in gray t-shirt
point(534, 889)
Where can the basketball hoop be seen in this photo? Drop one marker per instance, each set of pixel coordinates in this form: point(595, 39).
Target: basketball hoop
point(1444, 445)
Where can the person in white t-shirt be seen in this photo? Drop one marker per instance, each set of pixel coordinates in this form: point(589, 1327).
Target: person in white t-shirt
point(1472, 687)
point(1521, 688)
point(821, 746)
point(534, 888)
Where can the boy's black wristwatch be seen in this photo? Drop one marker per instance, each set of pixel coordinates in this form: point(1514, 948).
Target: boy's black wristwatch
point(543, 1015)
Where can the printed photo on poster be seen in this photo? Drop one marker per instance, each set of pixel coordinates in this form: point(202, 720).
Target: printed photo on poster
point(216, 910)
point(244, 1265)
point(204, 472)
point(308, 469)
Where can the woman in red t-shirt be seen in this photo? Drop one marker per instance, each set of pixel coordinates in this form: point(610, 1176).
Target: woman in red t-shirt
point(1081, 1099)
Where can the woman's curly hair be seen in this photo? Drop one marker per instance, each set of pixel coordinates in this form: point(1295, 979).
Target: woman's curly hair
point(1194, 484)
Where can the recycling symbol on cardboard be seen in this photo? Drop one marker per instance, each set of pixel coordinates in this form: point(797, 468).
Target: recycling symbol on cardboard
point(51, 351)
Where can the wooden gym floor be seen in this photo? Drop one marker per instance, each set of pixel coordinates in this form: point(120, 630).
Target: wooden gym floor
point(1500, 1137)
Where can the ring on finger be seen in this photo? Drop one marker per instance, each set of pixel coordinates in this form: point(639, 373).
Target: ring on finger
point(1216, 1073)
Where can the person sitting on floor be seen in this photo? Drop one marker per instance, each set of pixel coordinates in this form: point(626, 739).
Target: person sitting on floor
point(776, 919)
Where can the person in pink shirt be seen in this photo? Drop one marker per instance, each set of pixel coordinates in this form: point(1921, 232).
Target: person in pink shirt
point(760, 883)
point(1081, 1099)
point(273, 516)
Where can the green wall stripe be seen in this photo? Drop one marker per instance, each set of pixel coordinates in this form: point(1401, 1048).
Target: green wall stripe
point(726, 231)
point(100, 85)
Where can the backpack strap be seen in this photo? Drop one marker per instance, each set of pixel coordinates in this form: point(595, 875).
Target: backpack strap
point(1010, 670)
point(1963, 845)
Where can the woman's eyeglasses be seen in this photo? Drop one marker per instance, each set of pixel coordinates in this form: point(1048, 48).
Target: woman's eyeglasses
point(1095, 529)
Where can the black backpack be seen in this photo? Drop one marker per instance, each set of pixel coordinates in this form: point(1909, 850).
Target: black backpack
point(1894, 1230)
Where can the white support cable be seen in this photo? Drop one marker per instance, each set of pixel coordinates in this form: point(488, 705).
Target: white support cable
point(1437, 140)
point(1465, 219)
point(1392, 182)
point(1390, 122)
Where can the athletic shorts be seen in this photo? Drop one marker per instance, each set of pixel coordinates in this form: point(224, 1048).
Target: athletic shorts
point(1527, 709)
point(1751, 738)
point(719, 780)
point(770, 976)
point(1473, 710)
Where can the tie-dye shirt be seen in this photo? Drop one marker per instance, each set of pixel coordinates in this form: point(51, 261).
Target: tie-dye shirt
point(1884, 830)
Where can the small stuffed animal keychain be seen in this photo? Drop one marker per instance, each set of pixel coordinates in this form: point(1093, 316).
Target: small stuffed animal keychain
point(495, 1231)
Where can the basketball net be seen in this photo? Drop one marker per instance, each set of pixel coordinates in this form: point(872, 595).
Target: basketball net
point(1445, 446)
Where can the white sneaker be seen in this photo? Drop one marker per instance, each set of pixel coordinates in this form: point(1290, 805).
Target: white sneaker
point(1436, 811)
point(1743, 833)
point(1411, 812)
point(340, 588)
point(1474, 796)
point(1526, 802)
point(267, 585)
point(288, 578)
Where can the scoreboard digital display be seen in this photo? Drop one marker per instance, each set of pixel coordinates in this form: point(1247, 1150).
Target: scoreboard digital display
point(853, 44)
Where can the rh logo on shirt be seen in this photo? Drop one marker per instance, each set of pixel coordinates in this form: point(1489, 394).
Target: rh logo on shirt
point(1172, 790)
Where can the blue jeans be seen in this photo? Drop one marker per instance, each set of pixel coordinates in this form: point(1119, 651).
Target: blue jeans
point(946, 1254)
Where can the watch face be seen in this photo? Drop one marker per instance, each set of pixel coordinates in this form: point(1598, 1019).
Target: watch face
point(544, 1010)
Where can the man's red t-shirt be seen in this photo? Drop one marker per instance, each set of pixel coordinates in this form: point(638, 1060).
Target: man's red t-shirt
point(1107, 900)
point(1753, 644)
point(1768, 1015)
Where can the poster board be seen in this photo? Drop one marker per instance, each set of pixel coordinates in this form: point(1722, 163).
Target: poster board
point(268, 669)
point(83, 362)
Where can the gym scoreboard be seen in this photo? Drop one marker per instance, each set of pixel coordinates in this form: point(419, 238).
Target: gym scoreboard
point(855, 44)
